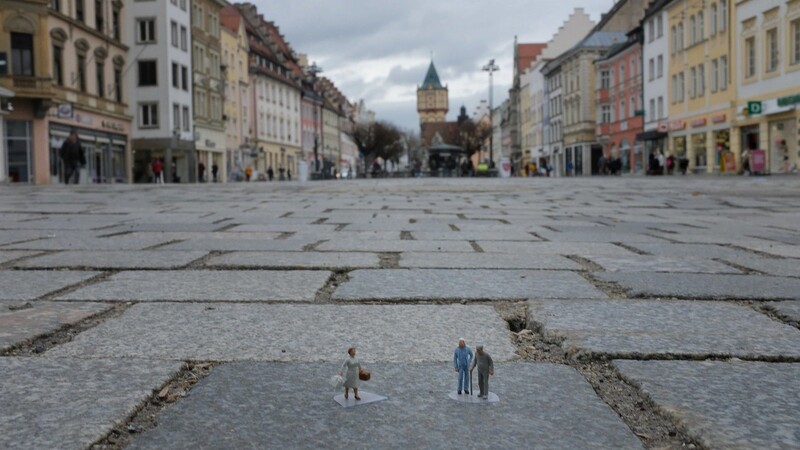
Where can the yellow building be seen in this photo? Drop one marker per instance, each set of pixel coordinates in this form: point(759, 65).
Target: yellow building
point(432, 98)
point(235, 51)
point(25, 41)
point(701, 88)
point(767, 60)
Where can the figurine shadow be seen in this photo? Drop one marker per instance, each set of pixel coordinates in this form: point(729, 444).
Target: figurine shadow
point(366, 398)
point(464, 398)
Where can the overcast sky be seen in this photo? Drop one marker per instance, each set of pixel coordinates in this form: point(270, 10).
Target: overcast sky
point(379, 50)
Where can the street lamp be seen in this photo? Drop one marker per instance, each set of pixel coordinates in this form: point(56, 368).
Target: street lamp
point(491, 68)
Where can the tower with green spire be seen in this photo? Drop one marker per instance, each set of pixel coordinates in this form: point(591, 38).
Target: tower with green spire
point(432, 98)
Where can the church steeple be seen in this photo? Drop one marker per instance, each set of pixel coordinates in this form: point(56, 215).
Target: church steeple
point(432, 98)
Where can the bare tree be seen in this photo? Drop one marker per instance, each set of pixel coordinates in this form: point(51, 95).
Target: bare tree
point(378, 140)
point(471, 136)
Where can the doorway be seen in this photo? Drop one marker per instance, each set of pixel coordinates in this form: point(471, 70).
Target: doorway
point(19, 145)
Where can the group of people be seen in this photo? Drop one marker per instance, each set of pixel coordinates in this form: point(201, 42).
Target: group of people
point(250, 174)
point(657, 164)
point(464, 363)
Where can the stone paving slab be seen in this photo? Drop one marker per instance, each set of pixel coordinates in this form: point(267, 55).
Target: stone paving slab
point(725, 404)
point(716, 286)
point(690, 250)
point(607, 236)
point(789, 309)
point(110, 259)
point(360, 245)
point(305, 260)
point(510, 235)
point(788, 267)
point(280, 332)
point(82, 242)
point(648, 328)
point(642, 263)
point(554, 248)
point(445, 284)
point(71, 403)
point(278, 228)
point(283, 245)
point(32, 284)
point(784, 250)
point(428, 260)
point(205, 285)
point(542, 406)
point(6, 256)
point(20, 321)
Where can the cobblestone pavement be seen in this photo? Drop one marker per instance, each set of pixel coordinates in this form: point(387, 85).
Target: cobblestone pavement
point(620, 313)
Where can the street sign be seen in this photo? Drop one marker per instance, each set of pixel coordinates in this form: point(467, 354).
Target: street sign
point(753, 108)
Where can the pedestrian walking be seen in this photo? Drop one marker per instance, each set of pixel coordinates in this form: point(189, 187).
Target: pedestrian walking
point(158, 171)
point(72, 155)
point(214, 171)
point(270, 173)
point(289, 174)
point(483, 362)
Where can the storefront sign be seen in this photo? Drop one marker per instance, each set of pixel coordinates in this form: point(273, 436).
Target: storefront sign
point(788, 101)
point(112, 125)
point(87, 120)
point(758, 160)
point(698, 122)
point(719, 118)
point(65, 111)
point(677, 125)
point(754, 107)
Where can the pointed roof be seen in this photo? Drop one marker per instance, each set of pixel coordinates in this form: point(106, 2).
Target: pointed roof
point(431, 79)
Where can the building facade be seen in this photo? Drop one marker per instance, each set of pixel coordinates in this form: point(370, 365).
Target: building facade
point(553, 120)
point(432, 98)
point(701, 89)
point(159, 81)
point(656, 62)
point(767, 56)
point(237, 93)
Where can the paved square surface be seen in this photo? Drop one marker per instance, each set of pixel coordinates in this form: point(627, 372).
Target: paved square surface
point(416, 284)
point(112, 259)
point(29, 285)
point(70, 403)
point(270, 332)
point(650, 328)
point(205, 285)
point(428, 260)
point(541, 406)
point(745, 287)
point(725, 405)
point(293, 260)
point(20, 321)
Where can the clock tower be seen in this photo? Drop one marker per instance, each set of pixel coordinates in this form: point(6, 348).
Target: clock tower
point(432, 98)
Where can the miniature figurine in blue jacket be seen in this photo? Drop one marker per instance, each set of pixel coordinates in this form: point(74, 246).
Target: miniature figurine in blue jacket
point(462, 358)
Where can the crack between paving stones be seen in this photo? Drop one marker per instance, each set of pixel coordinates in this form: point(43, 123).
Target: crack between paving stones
point(163, 244)
point(476, 247)
point(454, 227)
point(745, 270)
point(147, 414)
point(200, 262)
point(12, 263)
point(538, 236)
point(99, 278)
point(769, 311)
point(586, 264)
point(407, 236)
point(389, 260)
point(325, 293)
point(751, 251)
point(631, 249)
point(313, 247)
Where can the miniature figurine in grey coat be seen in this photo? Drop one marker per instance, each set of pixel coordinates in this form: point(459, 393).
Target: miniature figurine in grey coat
point(350, 369)
point(485, 369)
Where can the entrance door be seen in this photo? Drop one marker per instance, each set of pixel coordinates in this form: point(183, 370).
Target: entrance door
point(597, 152)
point(19, 145)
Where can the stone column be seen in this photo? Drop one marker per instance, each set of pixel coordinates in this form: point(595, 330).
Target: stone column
point(711, 150)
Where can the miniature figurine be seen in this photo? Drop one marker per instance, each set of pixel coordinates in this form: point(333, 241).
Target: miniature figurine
point(485, 368)
point(352, 368)
point(461, 359)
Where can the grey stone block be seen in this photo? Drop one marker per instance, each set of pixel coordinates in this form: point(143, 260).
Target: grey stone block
point(30, 285)
point(776, 249)
point(749, 287)
point(315, 260)
point(293, 332)
point(654, 328)
point(789, 309)
point(360, 245)
point(20, 321)
point(426, 284)
point(290, 405)
point(642, 263)
point(429, 260)
point(725, 404)
point(689, 250)
point(111, 259)
point(770, 266)
point(507, 235)
point(71, 403)
point(205, 285)
point(83, 242)
point(11, 255)
point(283, 245)
point(554, 248)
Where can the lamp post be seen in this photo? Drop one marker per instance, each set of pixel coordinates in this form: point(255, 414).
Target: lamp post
point(491, 68)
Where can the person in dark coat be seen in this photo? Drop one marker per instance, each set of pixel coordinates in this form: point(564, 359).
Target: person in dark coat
point(72, 155)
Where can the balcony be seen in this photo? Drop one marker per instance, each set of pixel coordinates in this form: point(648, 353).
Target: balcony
point(28, 87)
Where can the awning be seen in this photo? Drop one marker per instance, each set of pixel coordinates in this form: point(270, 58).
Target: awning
point(651, 135)
point(6, 92)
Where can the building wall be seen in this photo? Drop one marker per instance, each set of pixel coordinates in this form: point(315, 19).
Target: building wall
point(237, 98)
point(432, 105)
point(656, 54)
point(330, 135)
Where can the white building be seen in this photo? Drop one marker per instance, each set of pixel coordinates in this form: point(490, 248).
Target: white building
point(552, 123)
point(655, 60)
point(159, 80)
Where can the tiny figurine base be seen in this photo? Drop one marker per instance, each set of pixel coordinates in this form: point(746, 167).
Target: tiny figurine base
point(366, 398)
point(464, 398)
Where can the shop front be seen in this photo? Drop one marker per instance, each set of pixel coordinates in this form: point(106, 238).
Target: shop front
point(769, 139)
point(702, 145)
point(651, 142)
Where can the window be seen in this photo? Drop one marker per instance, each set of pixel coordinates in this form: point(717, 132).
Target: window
point(99, 22)
point(701, 80)
point(693, 81)
point(714, 75)
point(176, 76)
point(651, 30)
point(701, 26)
point(723, 15)
point(659, 25)
point(176, 116)
point(55, 5)
point(82, 72)
point(750, 57)
point(146, 31)
point(214, 61)
point(692, 31)
point(185, 118)
point(674, 39)
point(116, 31)
point(148, 73)
point(100, 69)
point(183, 5)
point(680, 36)
point(148, 115)
point(184, 39)
point(622, 110)
point(651, 66)
point(660, 107)
point(682, 86)
point(174, 33)
point(58, 65)
point(795, 41)
point(197, 15)
point(22, 54)
point(713, 19)
point(632, 107)
point(652, 111)
point(772, 50)
point(118, 84)
point(674, 88)
point(723, 73)
point(185, 78)
point(79, 11)
point(660, 66)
